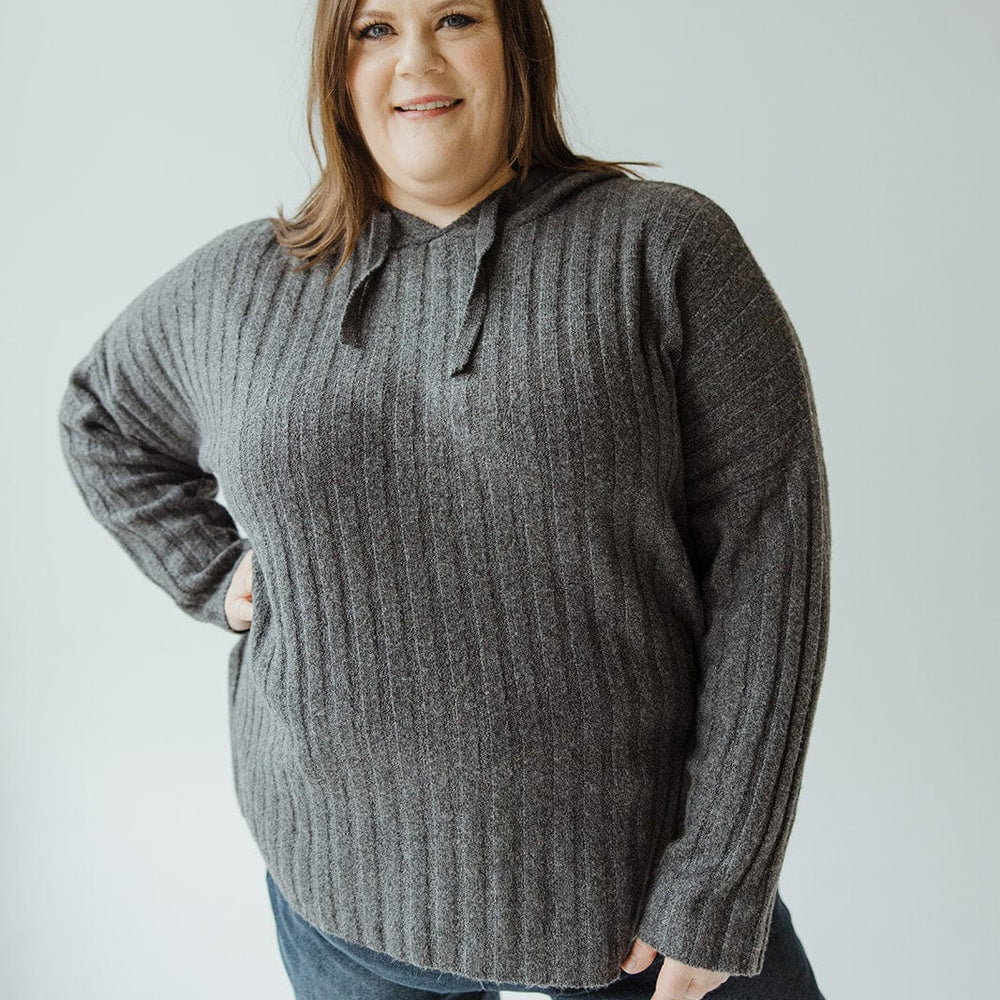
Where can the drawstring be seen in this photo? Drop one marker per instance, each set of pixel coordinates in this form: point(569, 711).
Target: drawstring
point(372, 257)
point(373, 253)
point(471, 325)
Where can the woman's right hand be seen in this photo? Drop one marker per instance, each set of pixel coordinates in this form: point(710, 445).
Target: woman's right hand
point(239, 596)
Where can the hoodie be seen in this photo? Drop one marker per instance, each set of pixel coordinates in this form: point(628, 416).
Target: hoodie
point(540, 573)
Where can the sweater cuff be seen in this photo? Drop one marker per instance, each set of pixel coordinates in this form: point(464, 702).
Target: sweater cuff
point(707, 924)
point(214, 607)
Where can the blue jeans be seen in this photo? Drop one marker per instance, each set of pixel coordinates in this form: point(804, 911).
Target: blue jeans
point(324, 967)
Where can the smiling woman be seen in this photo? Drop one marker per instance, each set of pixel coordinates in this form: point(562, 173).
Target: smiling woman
point(370, 59)
point(529, 463)
point(449, 64)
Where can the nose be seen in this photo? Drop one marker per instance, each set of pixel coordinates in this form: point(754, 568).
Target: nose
point(418, 54)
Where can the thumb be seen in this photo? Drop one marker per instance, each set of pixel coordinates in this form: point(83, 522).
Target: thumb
point(639, 957)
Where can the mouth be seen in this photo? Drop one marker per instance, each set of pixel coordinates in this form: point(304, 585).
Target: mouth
point(428, 109)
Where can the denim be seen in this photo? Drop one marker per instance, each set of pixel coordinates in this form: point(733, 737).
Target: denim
point(322, 966)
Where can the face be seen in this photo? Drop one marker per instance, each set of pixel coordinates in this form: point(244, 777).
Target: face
point(403, 51)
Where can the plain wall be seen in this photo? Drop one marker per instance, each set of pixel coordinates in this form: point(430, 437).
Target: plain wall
point(854, 144)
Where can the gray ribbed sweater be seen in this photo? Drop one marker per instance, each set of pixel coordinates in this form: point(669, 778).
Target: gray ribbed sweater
point(541, 566)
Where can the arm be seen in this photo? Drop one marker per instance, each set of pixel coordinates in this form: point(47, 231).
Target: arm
point(130, 438)
point(758, 535)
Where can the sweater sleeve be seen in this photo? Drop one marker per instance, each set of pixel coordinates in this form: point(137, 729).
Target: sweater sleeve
point(130, 437)
point(758, 535)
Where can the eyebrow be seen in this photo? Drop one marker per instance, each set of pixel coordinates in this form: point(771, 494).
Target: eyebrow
point(368, 12)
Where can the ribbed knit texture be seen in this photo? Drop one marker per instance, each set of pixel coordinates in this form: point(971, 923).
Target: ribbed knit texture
point(541, 566)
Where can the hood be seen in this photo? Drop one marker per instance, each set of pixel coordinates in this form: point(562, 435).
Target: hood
point(389, 228)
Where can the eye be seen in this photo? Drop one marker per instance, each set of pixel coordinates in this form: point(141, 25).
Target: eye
point(462, 17)
point(365, 30)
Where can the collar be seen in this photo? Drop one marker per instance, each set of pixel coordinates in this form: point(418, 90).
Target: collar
point(388, 228)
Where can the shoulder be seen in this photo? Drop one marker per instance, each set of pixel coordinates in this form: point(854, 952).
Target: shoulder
point(247, 242)
point(687, 213)
point(230, 260)
point(637, 194)
point(667, 215)
point(222, 266)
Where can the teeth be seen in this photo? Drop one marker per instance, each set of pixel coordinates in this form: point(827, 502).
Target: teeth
point(428, 107)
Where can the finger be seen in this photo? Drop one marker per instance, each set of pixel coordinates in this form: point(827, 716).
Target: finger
point(675, 982)
point(639, 957)
point(695, 987)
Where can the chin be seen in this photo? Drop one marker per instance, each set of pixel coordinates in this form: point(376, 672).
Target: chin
point(431, 169)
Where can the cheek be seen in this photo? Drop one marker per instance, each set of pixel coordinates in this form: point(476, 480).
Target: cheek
point(365, 86)
point(487, 66)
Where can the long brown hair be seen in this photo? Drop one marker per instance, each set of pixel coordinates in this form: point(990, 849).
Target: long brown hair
point(335, 211)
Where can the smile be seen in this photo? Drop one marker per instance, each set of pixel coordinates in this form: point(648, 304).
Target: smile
point(431, 110)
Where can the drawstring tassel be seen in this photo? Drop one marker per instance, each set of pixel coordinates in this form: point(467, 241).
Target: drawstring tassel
point(375, 252)
point(469, 332)
point(471, 326)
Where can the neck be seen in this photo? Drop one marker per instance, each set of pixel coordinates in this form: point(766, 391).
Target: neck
point(436, 206)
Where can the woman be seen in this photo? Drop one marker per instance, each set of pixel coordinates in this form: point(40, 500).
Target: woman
point(534, 593)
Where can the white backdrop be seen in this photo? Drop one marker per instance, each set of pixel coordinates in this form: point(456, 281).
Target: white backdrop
point(855, 145)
